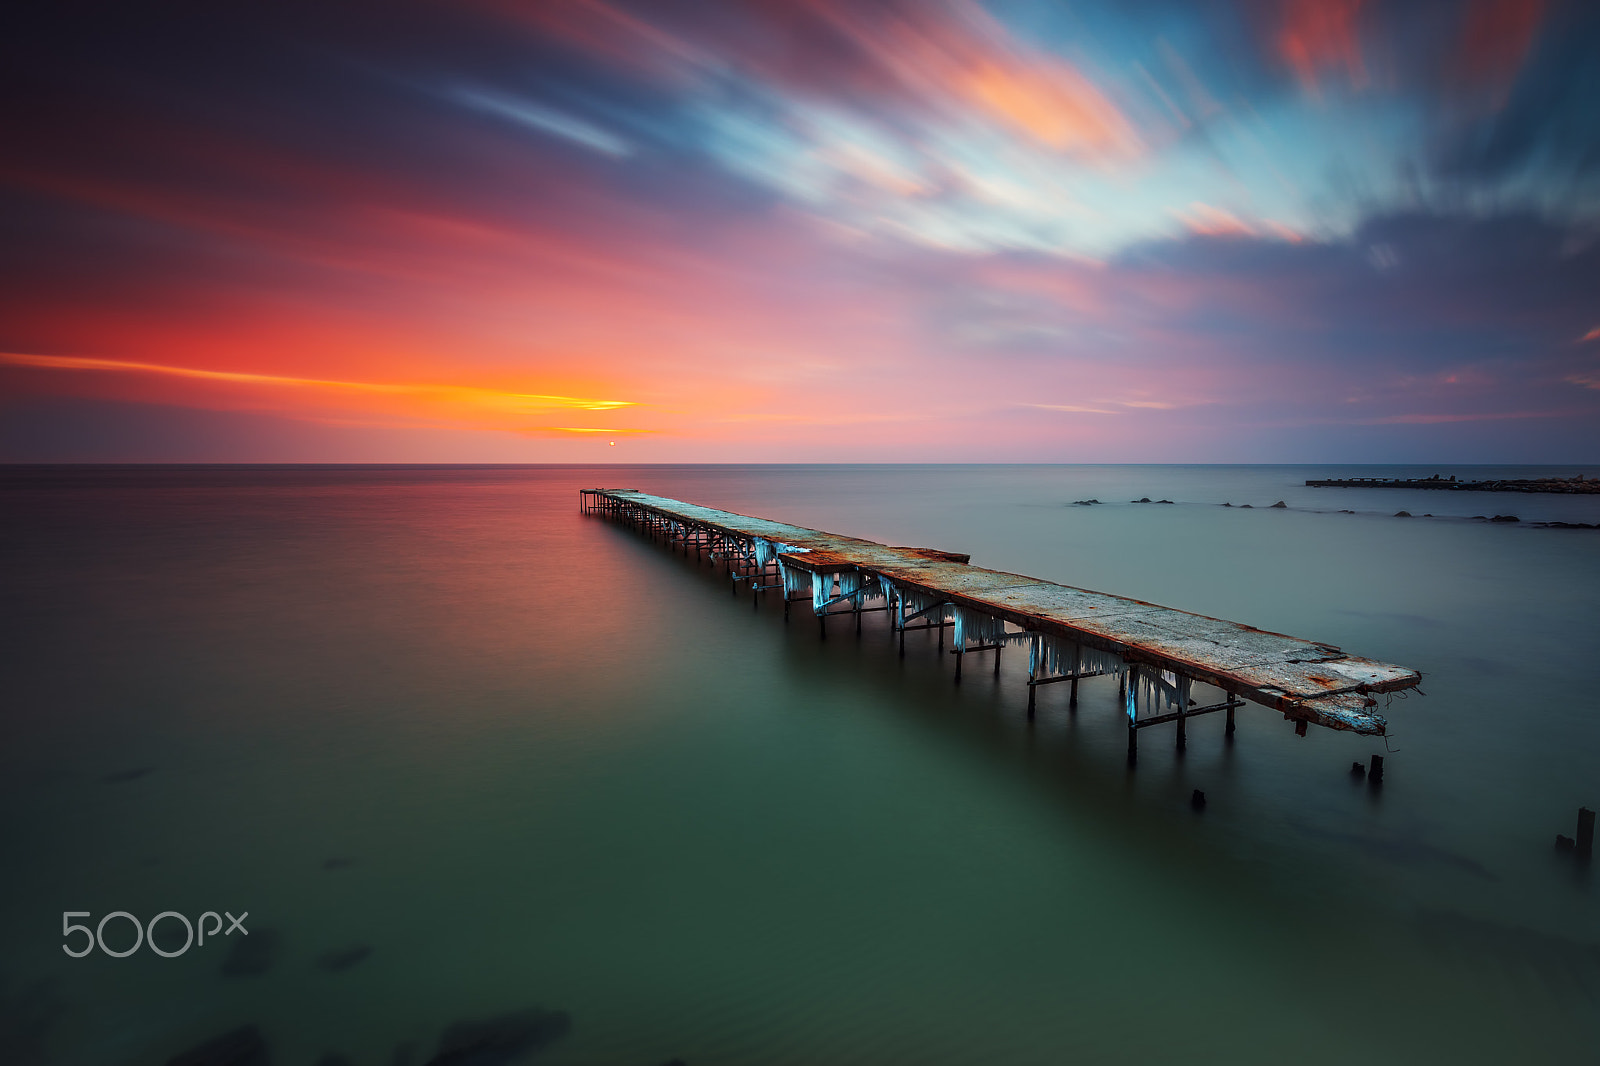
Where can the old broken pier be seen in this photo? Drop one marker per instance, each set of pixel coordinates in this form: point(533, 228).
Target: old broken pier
point(1158, 654)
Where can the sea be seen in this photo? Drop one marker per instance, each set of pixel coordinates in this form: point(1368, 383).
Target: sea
point(466, 764)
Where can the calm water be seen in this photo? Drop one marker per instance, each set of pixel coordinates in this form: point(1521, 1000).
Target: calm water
point(524, 757)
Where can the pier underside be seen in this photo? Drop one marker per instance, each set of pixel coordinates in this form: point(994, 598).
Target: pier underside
point(1157, 652)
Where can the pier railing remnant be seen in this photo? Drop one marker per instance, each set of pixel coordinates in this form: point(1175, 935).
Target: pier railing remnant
point(1157, 653)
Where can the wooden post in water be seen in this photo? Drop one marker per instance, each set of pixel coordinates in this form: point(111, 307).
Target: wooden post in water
point(1585, 838)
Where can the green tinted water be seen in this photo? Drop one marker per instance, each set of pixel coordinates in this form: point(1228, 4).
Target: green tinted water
point(526, 757)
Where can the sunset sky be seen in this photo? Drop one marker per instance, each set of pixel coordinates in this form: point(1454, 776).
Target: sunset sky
point(801, 230)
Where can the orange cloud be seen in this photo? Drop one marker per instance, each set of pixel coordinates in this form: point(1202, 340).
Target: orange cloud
point(952, 60)
point(1051, 103)
point(1209, 221)
point(463, 404)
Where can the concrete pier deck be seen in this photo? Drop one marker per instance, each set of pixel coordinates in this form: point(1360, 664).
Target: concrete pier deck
point(1157, 650)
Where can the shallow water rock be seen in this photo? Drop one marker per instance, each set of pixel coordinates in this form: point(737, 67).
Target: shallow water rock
point(1402, 514)
point(240, 1047)
point(1281, 504)
point(501, 1040)
point(252, 954)
point(27, 1018)
point(341, 959)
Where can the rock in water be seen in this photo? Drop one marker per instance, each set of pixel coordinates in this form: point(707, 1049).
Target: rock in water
point(252, 954)
point(241, 1047)
point(500, 1041)
point(344, 958)
point(1280, 503)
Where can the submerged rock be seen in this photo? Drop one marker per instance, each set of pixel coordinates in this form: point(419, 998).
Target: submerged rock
point(1281, 504)
point(252, 954)
point(28, 1016)
point(342, 959)
point(1084, 503)
point(1402, 514)
point(1145, 500)
point(501, 1040)
point(241, 1047)
point(1505, 518)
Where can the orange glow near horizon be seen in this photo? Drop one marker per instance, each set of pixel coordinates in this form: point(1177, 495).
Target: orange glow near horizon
point(431, 403)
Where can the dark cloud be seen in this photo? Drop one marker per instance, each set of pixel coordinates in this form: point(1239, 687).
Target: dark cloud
point(1548, 129)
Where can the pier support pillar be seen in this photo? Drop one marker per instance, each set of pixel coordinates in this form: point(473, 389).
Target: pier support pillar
point(997, 662)
point(960, 654)
point(822, 624)
point(1375, 772)
point(1032, 694)
point(1184, 688)
point(1227, 731)
point(1130, 703)
point(1585, 838)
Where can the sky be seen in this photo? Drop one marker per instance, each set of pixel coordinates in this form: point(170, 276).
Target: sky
point(801, 231)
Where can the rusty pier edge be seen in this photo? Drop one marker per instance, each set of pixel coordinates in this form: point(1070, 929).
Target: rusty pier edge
point(1156, 652)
